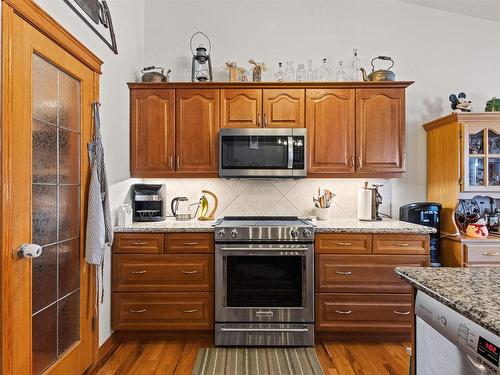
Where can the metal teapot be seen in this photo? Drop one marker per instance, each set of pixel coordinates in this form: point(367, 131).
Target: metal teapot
point(154, 74)
point(381, 74)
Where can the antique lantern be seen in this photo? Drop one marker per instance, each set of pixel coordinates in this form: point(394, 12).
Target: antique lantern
point(201, 69)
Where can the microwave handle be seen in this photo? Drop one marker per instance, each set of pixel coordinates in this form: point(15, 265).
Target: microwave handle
point(290, 152)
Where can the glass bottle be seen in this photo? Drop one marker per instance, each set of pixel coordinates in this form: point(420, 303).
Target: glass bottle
point(324, 72)
point(289, 72)
point(341, 75)
point(355, 65)
point(280, 76)
point(301, 73)
point(310, 71)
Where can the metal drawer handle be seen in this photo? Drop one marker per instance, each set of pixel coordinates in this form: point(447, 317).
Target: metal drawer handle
point(265, 313)
point(189, 311)
point(343, 243)
point(138, 272)
point(138, 311)
point(343, 273)
point(139, 243)
point(401, 312)
point(487, 254)
point(343, 312)
point(190, 243)
point(401, 244)
point(264, 330)
point(189, 272)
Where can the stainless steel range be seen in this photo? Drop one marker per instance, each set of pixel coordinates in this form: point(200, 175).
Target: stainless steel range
point(264, 276)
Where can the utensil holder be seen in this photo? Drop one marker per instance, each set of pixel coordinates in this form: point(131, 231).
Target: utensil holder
point(322, 213)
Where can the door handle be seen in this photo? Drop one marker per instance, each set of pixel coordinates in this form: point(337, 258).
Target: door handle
point(171, 162)
point(259, 120)
point(343, 273)
point(139, 243)
point(30, 250)
point(138, 272)
point(141, 311)
point(401, 312)
point(265, 120)
point(359, 164)
point(189, 272)
point(398, 244)
point(189, 311)
point(178, 162)
point(268, 314)
point(488, 254)
point(352, 161)
point(343, 243)
point(343, 312)
point(190, 243)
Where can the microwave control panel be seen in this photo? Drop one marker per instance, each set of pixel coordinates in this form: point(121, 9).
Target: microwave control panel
point(298, 152)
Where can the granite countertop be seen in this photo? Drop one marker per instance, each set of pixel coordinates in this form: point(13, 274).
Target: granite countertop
point(473, 292)
point(328, 226)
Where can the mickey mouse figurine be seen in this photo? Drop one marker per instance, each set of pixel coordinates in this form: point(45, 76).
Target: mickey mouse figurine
point(460, 104)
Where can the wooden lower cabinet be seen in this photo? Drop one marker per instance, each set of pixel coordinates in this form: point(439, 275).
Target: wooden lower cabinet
point(356, 288)
point(168, 287)
point(167, 311)
point(348, 312)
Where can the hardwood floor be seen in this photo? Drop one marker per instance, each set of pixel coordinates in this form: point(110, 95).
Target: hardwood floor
point(176, 357)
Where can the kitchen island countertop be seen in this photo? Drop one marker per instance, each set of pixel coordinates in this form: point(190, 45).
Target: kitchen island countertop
point(472, 292)
point(328, 226)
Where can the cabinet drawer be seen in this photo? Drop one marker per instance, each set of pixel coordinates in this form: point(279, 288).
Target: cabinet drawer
point(358, 273)
point(343, 243)
point(366, 312)
point(400, 244)
point(482, 254)
point(163, 272)
point(156, 311)
point(189, 243)
point(139, 243)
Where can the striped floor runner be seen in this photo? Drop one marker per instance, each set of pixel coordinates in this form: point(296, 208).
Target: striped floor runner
point(257, 361)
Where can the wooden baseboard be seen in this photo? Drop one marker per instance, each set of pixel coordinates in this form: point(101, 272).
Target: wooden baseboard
point(104, 352)
point(363, 336)
point(163, 335)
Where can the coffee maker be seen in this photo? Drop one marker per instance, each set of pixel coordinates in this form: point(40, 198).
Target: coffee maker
point(147, 203)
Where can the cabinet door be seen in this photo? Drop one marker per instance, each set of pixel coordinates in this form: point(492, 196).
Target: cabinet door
point(330, 124)
point(152, 132)
point(241, 108)
point(197, 126)
point(283, 108)
point(380, 130)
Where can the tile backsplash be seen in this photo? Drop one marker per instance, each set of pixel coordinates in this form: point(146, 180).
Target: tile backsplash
point(261, 197)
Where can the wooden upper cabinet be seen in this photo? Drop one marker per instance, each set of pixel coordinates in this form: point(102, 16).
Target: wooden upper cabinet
point(241, 108)
point(283, 108)
point(380, 130)
point(152, 132)
point(330, 121)
point(197, 114)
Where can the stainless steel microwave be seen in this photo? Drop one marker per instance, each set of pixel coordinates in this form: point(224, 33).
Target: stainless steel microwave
point(265, 153)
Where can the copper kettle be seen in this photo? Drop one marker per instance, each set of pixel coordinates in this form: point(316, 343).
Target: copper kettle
point(381, 74)
point(154, 74)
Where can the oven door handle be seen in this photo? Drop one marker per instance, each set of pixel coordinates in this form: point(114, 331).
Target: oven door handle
point(223, 329)
point(275, 249)
point(290, 152)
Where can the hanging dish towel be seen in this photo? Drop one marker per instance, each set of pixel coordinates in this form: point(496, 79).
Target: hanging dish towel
point(99, 228)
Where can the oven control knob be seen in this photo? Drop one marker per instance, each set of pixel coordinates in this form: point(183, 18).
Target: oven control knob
point(221, 233)
point(234, 233)
point(307, 233)
point(294, 233)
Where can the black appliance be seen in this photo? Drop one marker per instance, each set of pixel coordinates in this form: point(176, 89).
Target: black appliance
point(428, 214)
point(147, 203)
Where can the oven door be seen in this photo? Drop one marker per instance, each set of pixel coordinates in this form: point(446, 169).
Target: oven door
point(264, 283)
point(262, 153)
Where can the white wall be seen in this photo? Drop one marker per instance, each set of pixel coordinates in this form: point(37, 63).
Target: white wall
point(128, 20)
point(443, 52)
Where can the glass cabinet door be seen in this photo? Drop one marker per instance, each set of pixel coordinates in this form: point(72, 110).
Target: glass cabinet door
point(482, 159)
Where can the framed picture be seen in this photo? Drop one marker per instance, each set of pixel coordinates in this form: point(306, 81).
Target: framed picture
point(96, 14)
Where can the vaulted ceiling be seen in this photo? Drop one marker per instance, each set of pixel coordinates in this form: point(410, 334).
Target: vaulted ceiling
point(486, 9)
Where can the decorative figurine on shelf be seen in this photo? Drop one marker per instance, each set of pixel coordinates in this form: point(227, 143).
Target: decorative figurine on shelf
point(235, 72)
point(478, 229)
point(460, 103)
point(257, 70)
point(201, 69)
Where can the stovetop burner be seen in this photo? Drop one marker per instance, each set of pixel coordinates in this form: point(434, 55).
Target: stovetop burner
point(263, 228)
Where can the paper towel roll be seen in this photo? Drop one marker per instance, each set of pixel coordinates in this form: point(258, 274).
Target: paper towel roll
point(364, 204)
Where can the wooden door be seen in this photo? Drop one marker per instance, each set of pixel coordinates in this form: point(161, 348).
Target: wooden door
point(197, 126)
point(380, 130)
point(241, 108)
point(283, 108)
point(48, 301)
point(330, 127)
point(152, 132)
